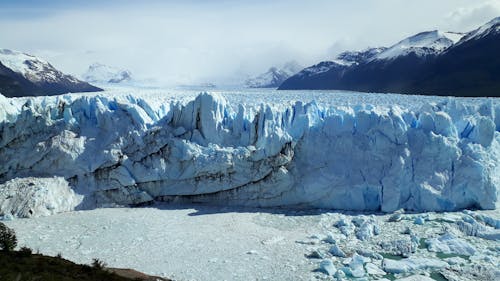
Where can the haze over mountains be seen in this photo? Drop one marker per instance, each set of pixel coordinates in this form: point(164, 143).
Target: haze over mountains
point(433, 62)
point(274, 76)
point(429, 63)
point(101, 73)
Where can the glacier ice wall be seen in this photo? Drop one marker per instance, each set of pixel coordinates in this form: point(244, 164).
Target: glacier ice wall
point(441, 157)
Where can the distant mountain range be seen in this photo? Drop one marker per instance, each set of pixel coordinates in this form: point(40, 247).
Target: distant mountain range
point(430, 63)
point(101, 73)
point(26, 75)
point(274, 77)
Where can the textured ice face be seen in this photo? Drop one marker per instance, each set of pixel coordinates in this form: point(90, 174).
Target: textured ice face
point(440, 157)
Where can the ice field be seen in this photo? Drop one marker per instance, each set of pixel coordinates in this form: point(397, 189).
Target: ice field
point(347, 151)
point(217, 243)
point(333, 170)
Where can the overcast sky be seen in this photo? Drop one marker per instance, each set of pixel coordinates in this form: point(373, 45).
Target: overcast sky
point(197, 41)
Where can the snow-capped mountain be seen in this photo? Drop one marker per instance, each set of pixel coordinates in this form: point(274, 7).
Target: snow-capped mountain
point(342, 61)
point(274, 76)
point(357, 57)
point(101, 73)
point(490, 28)
point(26, 75)
point(433, 62)
point(421, 44)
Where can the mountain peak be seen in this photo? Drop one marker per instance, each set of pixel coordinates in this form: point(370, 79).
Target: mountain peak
point(493, 26)
point(23, 74)
point(421, 44)
point(274, 76)
point(31, 67)
point(101, 73)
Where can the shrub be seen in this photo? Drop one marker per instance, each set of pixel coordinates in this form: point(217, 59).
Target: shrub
point(25, 251)
point(98, 264)
point(8, 239)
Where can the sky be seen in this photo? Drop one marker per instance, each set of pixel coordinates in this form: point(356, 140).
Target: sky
point(220, 41)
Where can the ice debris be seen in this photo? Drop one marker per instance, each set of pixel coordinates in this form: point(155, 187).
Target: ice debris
point(33, 197)
point(327, 267)
point(337, 252)
point(412, 264)
point(450, 244)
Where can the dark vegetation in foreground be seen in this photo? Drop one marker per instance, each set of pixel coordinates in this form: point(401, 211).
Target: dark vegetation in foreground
point(23, 265)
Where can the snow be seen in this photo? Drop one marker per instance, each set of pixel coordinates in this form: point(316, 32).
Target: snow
point(430, 42)
point(274, 76)
point(131, 150)
point(31, 67)
point(100, 73)
point(343, 60)
point(489, 27)
point(16, 61)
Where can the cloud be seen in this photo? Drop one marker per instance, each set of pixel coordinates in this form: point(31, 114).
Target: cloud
point(198, 41)
point(471, 17)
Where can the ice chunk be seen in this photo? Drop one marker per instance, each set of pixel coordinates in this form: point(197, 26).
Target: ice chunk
point(33, 197)
point(400, 247)
point(419, 220)
point(336, 251)
point(412, 264)
point(327, 267)
point(450, 244)
point(416, 278)
point(373, 269)
point(367, 230)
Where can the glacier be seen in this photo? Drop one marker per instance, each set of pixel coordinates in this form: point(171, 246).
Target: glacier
point(441, 156)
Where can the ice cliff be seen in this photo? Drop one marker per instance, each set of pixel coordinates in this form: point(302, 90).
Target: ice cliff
point(442, 157)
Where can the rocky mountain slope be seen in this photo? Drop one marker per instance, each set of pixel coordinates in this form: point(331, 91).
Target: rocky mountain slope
point(429, 63)
point(26, 75)
point(274, 76)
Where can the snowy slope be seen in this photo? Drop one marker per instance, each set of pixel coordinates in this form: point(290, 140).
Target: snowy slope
point(489, 28)
point(100, 73)
point(421, 44)
point(26, 75)
point(127, 150)
point(32, 68)
point(343, 61)
point(274, 76)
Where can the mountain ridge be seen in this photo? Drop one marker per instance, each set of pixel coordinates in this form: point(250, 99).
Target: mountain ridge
point(26, 75)
point(428, 63)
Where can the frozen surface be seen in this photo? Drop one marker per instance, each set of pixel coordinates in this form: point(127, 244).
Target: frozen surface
point(338, 150)
point(212, 243)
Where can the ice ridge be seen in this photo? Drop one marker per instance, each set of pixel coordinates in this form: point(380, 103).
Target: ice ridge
point(441, 157)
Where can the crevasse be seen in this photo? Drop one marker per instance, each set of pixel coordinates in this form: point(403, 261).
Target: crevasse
point(441, 157)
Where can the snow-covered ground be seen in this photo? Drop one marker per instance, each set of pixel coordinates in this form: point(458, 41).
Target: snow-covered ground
point(214, 243)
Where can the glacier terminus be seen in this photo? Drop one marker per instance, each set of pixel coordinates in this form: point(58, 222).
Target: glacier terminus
point(130, 150)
